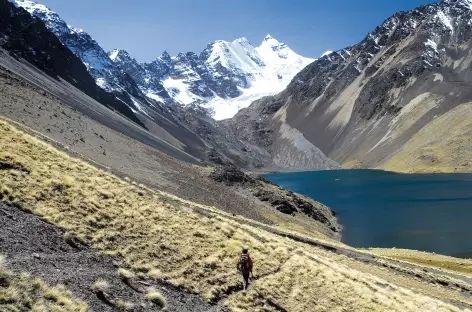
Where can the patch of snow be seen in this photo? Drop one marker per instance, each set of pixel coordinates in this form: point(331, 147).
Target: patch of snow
point(155, 97)
point(326, 53)
point(139, 107)
point(114, 54)
point(438, 77)
point(178, 89)
point(101, 82)
point(445, 20)
point(227, 108)
point(432, 44)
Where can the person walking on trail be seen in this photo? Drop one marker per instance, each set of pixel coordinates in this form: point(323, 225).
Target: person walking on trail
point(245, 267)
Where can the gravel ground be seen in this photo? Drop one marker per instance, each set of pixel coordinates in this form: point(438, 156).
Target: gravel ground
point(34, 246)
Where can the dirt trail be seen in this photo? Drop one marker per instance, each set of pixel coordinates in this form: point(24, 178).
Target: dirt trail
point(38, 248)
point(428, 275)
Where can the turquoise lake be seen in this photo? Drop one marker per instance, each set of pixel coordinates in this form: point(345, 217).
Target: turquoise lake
point(429, 212)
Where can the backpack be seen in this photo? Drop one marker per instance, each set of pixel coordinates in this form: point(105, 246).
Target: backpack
point(244, 264)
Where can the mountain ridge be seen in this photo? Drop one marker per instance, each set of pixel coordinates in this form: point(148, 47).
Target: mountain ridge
point(253, 72)
point(224, 77)
point(363, 105)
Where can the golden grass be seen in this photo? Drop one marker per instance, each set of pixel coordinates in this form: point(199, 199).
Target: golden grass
point(156, 297)
point(124, 305)
point(126, 275)
point(165, 237)
point(24, 293)
point(100, 286)
point(443, 145)
point(461, 266)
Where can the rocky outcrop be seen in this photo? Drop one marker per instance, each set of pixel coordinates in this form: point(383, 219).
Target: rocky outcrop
point(280, 199)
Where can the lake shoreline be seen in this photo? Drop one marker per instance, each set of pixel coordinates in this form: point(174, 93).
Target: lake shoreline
point(383, 209)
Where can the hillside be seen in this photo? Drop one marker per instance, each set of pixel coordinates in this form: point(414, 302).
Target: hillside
point(398, 100)
point(110, 199)
point(142, 229)
point(137, 91)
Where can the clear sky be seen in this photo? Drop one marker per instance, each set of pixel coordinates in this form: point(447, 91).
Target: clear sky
point(146, 28)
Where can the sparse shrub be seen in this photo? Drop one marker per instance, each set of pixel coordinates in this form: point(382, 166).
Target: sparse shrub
point(124, 305)
point(37, 283)
point(126, 275)
point(100, 286)
point(156, 297)
point(57, 294)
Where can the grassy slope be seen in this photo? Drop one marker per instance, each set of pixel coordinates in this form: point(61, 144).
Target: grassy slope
point(461, 266)
point(24, 293)
point(187, 244)
point(444, 145)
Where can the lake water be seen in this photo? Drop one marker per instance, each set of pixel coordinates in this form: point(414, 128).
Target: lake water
point(429, 212)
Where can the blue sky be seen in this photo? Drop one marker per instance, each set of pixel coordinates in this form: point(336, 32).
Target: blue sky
point(147, 27)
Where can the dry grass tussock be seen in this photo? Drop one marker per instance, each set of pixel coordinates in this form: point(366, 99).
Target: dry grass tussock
point(124, 305)
point(156, 297)
point(100, 286)
point(165, 238)
point(24, 293)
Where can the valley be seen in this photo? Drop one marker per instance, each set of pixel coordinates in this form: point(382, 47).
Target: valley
point(133, 186)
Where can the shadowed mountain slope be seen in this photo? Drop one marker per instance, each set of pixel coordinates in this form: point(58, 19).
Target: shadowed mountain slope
point(375, 104)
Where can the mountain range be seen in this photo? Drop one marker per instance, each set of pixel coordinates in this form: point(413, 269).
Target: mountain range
point(397, 100)
point(117, 195)
point(224, 77)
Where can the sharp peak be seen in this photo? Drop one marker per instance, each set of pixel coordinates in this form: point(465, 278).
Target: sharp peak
point(271, 41)
point(165, 54)
point(269, 37)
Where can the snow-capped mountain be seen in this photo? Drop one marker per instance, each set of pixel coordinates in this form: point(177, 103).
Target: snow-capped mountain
point(80, 43)
point(106, 73)
point(225, 77)
point(400, 99)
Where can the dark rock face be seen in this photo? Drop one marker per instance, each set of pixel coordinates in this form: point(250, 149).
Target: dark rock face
point(99, 65)
point(127, 65)
point(226, 148)
point(28, 38)
point(230, 175)
point(359, 105)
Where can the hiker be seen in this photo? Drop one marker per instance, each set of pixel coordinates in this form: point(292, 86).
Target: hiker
point(245, 267)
